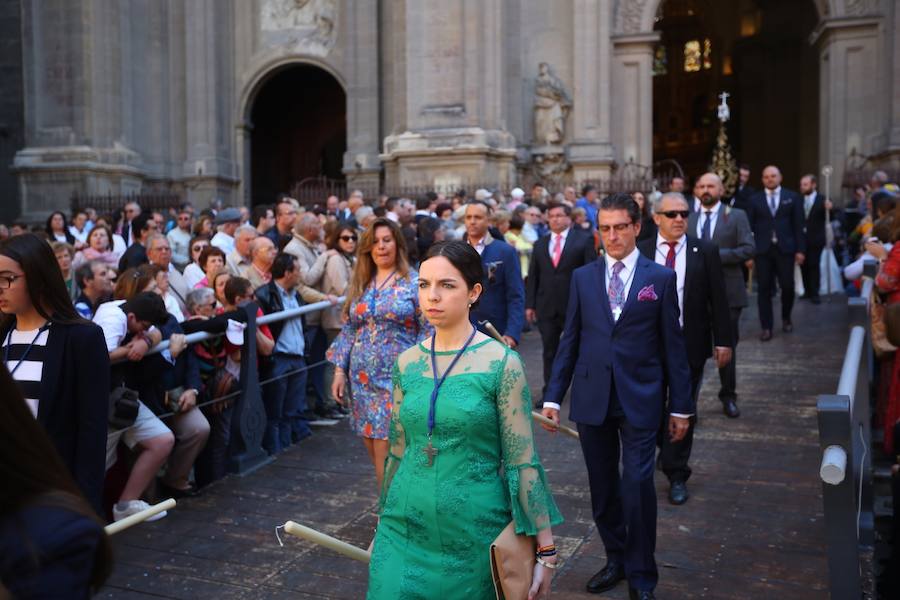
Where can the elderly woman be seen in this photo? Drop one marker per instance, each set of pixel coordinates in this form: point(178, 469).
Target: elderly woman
point(193, 272)
point(219, 281)
point(212, 260)
point(64, 254)
point(99, 247)
point(382, 319)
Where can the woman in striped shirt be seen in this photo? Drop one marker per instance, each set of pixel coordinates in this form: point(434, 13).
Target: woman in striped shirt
point(58, 359)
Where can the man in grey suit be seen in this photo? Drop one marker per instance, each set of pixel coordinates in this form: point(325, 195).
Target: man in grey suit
point(729, 229)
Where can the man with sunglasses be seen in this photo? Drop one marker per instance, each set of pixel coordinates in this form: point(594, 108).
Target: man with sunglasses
point(704, 317)
point(621, 340)
point(727, 228)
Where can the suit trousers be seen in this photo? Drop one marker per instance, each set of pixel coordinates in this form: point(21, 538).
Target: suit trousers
point(728, 373)
point(770, 265)
point(676, 455)
point(191, 431)
point(812, 277)
point(551, 330)
point(623, 506)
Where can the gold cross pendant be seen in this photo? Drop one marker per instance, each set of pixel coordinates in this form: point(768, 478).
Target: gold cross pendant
point(431, 452)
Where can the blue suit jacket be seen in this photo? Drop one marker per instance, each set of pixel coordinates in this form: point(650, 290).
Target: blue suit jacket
point(503, 300)
point(642, 352)
point(789, 222)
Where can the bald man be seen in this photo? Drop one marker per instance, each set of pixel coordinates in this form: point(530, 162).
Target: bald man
point(777, 219)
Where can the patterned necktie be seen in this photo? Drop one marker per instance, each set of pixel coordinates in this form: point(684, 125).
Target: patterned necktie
point(557, 250)
point(706, 235)
point(670, 255)
point(616, 289)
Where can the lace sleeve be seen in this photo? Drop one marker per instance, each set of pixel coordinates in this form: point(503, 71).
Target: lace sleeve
point(533, 507)
point(396, 438)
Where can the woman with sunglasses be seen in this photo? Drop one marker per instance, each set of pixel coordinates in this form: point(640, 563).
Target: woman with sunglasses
point(193, 273)
point(338, 270)
point(58, 359)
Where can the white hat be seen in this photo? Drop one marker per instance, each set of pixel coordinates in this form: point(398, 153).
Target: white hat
point(235, 332)
point(482, 194)
point(517, 193)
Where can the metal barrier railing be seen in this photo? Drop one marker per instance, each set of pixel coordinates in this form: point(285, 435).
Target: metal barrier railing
point(845, 437)
point(249, 416)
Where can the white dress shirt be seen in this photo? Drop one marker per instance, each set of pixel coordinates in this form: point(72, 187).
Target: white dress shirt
point(562, 246)
point(223, 241)
point(662, 250)
point(626, 274)
point(713, 219)
point(777, 193)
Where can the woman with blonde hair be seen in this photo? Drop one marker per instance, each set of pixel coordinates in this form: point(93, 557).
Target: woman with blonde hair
point(381, 319)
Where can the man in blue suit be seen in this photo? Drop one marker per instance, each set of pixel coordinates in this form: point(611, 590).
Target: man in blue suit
point(623, 344)
point(503, 300)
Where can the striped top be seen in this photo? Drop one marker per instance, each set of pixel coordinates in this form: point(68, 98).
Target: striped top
point(27, 372)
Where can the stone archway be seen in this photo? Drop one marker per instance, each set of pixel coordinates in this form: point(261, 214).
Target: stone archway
point(295, 127)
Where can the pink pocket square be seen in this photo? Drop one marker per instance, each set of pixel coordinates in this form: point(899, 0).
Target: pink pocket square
point(647, 294)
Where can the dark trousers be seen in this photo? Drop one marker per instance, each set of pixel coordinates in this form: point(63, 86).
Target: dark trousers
point(316, 345)
point(728, 373)
point(676, 455)
point(551, 330)
point(284, 400)
point(624, 506)
point(770, 265)
point(812, 277)
point(212, 463)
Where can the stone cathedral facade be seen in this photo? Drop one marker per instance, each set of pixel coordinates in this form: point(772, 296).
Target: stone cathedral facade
point(120, 96)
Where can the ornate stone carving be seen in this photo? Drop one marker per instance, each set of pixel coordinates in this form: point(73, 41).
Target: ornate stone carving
point(630, 14)
point(861, 7)
point(549, 167)
point(308, 24)
point(551, 106)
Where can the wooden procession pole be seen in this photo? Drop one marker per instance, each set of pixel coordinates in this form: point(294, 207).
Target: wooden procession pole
point(317, 537)
point(139, 517)
point(534, 414)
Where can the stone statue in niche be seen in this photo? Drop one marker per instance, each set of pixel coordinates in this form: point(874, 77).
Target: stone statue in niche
point(551, 107)
point(308, 24)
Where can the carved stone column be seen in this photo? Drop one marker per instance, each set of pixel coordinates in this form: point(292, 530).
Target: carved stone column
point(632, 102)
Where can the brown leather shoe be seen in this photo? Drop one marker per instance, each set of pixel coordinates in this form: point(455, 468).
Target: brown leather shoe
point(765, 335)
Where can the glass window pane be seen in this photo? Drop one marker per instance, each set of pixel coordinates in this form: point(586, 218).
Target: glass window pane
point(692, 56)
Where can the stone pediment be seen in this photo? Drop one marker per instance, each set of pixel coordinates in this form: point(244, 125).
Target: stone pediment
point(308, 26)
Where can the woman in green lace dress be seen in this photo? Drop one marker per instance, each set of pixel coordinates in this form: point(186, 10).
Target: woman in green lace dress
point(446, 496)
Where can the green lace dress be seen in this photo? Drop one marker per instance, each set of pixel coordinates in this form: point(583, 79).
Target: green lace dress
point(437, 522)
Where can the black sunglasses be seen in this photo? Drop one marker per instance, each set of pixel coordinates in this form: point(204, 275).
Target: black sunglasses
point(671, 214)
point(349, 238)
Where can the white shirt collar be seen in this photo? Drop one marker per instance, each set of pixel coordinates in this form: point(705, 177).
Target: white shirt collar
point(714, 208)
point(630, 261)
point(776, 192)
point(564, 235)
point(662, 243)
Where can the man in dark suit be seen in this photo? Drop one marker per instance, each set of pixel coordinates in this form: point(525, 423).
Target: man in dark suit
point(143, 227)
point(744, 191)
point(728, 229)
point(553, 259)
point(814, 209)
point(776, 217)
point(704, 316)
point(621, 341)
point(503, 300)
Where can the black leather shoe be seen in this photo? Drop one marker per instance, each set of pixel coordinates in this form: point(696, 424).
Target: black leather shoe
point(765, 335)
point(634, 594)
point(171, 492)
point(678, 493)
point(787, 327)
point(606, 578)
point(730, 408)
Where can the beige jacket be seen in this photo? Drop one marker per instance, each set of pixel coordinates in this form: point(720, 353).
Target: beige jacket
point(338, 270)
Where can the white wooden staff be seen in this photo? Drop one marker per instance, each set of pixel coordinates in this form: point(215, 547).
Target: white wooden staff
point(307, 533)
point(534, 414)
point(139, 517)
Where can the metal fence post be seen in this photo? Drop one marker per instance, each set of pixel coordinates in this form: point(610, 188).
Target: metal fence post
point(249, 420)
point(840, 501)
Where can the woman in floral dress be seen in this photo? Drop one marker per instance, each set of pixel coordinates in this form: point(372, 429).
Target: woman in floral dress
point(382, 319)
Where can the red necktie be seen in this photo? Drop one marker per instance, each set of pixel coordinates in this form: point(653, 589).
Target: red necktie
point(557, 250)
point(670, 257)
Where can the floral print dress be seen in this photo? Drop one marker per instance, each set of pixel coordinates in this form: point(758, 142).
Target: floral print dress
point(382, 324)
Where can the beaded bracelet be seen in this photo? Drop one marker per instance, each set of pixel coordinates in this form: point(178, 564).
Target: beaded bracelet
point(546, 548)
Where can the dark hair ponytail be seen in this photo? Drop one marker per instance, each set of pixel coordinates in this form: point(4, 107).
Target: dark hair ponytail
point(464, 259)
point(43, 280)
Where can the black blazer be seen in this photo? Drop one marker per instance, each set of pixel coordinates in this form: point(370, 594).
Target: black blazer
point(741, 198)
point(814, 225)
point(707, 320)
point(547, 287)
point(74, 402)
point(788, 222)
